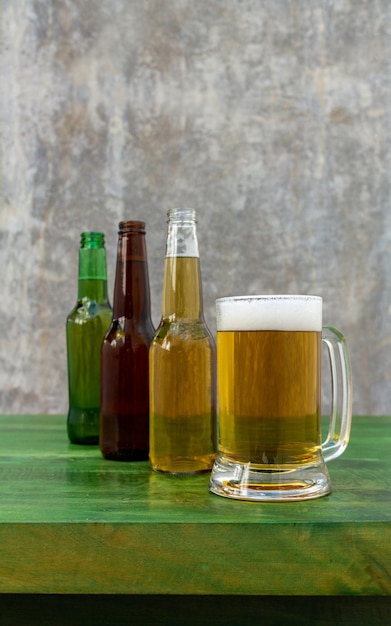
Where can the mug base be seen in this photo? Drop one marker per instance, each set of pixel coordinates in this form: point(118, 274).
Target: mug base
point(242, 481)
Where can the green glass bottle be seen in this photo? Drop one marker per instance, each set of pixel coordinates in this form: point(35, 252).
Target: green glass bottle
point(86, 326)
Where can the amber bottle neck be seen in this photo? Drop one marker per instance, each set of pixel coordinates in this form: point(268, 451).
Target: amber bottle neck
point(182, 289)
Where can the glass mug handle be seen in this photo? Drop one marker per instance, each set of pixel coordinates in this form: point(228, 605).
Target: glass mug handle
point(341, 390)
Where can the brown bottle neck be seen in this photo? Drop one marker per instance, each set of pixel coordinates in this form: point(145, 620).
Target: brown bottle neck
point(131, 288)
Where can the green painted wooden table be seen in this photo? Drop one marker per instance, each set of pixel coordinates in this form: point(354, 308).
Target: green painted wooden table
point(86, 534)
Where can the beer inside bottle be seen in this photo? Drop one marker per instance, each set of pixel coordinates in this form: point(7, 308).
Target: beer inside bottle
point(124, 434)
point(85, 328)
point(182, 361)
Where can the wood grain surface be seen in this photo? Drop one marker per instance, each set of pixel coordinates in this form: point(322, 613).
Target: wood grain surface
point(73, 523)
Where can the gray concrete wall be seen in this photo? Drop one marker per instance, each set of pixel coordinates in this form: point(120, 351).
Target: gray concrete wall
point(272, 119)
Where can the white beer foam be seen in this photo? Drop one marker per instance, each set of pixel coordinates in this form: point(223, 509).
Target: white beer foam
point(282, 312)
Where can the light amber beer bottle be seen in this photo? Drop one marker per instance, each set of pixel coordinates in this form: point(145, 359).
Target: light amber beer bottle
point(86, 326)
point(124, 432)
point(182, 361)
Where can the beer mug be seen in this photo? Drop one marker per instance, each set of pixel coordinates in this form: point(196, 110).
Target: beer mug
point(269, 398)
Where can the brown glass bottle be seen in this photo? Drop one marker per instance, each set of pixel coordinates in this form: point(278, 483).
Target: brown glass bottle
point(124, 423)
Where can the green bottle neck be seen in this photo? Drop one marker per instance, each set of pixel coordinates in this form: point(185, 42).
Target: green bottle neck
point(93, 290)
point(93, 274)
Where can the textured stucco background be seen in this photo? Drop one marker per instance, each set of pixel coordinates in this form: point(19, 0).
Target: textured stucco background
point(271, 118)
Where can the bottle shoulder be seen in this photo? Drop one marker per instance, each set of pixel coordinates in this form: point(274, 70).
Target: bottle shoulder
point(183, 330)
point(87, 309)
point(127, 331)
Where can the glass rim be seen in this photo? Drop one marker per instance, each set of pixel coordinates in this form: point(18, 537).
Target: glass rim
point(270, 297)
point(131, 226)
point(182, 214)
point(92, 239)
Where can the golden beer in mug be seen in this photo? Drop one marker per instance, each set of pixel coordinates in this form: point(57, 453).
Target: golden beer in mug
point(269, 398)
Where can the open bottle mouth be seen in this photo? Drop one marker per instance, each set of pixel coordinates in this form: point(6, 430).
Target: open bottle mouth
point(131, 226)
point(182, 215)
point(92, 240)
